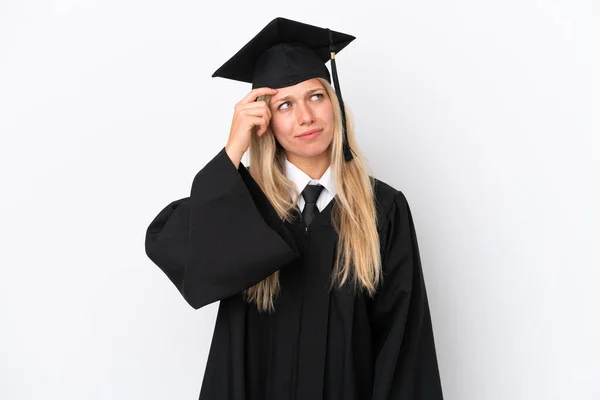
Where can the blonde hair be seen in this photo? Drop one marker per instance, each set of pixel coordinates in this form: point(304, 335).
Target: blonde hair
point(354, 215)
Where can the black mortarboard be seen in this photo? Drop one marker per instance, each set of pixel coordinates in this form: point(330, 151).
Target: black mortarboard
point(285, 53)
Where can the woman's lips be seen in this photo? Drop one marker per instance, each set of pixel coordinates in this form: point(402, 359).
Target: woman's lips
point(312, 135)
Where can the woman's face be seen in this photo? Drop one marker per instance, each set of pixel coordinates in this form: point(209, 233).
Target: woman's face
point(302, 119)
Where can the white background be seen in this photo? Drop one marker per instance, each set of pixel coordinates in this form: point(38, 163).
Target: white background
point(485, 114)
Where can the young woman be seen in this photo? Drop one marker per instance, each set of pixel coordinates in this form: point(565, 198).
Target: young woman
point(315, 263)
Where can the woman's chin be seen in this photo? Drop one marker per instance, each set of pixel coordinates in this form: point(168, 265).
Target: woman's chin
point(310, 153)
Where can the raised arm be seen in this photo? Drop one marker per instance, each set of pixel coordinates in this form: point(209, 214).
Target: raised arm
point(221, 240)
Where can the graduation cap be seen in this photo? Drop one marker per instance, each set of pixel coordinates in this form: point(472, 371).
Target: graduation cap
point(285, 53)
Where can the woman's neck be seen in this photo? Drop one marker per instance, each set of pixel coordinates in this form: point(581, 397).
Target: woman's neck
point(314, 167)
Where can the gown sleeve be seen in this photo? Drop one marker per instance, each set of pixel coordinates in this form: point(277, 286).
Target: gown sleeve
point(406, 365)
point(222, 239)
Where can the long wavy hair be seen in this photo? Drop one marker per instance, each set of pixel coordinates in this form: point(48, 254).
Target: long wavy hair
point(354, 215)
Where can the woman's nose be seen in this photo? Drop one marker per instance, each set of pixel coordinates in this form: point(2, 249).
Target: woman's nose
point(304, 114)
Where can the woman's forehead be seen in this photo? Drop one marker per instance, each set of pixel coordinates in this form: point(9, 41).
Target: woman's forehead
point(298, 90)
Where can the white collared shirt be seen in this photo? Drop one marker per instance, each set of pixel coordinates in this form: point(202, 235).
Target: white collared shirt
point(301, 179)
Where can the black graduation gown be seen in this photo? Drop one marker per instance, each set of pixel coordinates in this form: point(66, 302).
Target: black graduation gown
point(225, 237)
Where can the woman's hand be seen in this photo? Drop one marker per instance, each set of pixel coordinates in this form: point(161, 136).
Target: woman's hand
point(248, 113)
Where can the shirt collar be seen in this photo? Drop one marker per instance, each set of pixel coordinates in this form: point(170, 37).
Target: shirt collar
point(301, 179)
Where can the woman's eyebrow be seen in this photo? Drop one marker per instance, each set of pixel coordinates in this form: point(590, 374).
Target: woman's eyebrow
point(289, 97)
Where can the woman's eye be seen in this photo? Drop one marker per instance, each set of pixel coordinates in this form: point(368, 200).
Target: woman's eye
point(287, 104)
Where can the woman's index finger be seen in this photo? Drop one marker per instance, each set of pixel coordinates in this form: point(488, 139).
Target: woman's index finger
point(255, 93)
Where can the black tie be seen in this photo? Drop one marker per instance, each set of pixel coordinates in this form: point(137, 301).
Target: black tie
point(311, 194)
